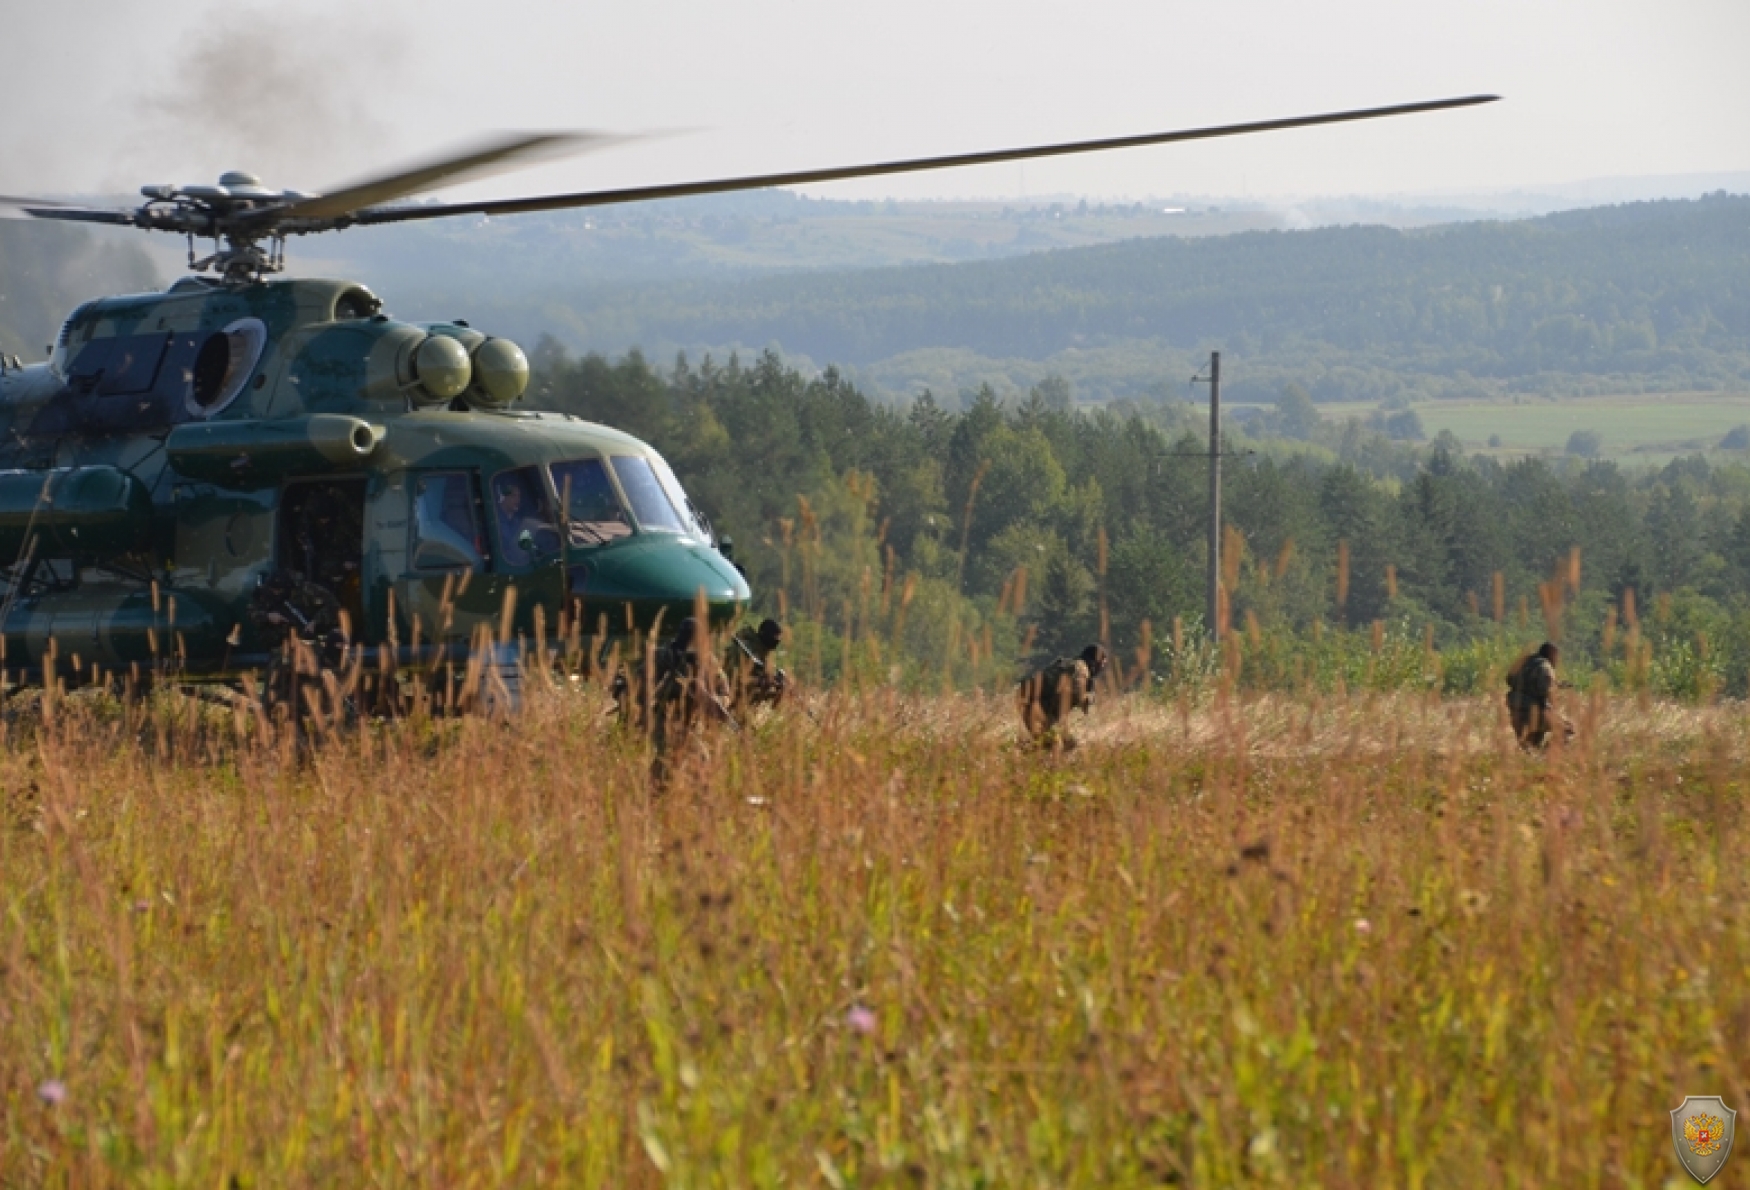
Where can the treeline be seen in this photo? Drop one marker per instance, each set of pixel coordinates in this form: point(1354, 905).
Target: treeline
point(998, 531)
point(1640, 297)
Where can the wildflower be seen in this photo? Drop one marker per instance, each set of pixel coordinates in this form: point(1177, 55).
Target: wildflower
point(861, 1019)
point(1363, 926)
point(53, 1092)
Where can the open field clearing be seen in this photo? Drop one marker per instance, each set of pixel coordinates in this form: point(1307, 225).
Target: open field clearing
point(1351, 942)
point(1649, 428)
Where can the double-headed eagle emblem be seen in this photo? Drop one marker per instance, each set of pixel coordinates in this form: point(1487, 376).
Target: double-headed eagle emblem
point(1701, 1129)
point(1703, 1134)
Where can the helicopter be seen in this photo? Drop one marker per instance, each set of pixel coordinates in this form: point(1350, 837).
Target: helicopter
point(196, 474)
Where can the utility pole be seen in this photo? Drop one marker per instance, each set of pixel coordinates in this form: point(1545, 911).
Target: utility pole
point(1213, 593)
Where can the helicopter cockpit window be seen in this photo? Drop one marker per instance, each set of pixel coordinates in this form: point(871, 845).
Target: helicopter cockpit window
point(650, 504)
point(223, 365)
point(446, 523)
point(525, 518)
point(593, 512)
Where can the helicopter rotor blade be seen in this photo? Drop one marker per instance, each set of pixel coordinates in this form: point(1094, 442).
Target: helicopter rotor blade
point(492, 157)
point(592, 198)
point(43, 208)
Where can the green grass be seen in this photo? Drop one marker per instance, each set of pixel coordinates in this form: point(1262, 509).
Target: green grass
point(1334, 940)
point(1644, 428)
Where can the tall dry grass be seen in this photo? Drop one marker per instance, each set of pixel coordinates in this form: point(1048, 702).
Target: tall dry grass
point(1357, 941)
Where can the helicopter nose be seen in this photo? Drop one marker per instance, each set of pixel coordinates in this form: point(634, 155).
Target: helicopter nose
point(633, 581)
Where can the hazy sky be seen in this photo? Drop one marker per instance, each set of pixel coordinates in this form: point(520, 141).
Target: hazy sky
point(107, 95)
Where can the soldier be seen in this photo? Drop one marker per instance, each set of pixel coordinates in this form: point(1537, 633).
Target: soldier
point(1046, 698)
point(684, 692)
point(748, 667)
point(285, 604)
point(681, 696)
point(328, 534)
point(1530, 684)
point(301, 623)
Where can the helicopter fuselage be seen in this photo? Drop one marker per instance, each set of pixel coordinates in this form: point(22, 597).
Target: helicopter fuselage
point(180, 449)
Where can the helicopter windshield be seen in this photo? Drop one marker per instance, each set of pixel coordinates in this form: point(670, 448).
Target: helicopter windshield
point(650, 503)
point(593, 512)
point(678, 497)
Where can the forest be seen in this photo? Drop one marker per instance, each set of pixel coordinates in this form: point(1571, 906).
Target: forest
point(1003, 531)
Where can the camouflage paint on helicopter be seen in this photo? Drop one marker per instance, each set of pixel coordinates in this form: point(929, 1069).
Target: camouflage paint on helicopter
point(180, 447)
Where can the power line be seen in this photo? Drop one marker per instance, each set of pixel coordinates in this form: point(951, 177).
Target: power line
point(1213, 591)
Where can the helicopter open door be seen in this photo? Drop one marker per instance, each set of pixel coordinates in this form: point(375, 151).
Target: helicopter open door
point(472, 539)
point(321, 537)
point(448, 588)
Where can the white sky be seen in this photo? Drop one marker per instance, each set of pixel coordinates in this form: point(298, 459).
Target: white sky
point(106, 94)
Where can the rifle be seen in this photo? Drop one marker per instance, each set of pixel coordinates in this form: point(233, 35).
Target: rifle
point(760, 668)
point(782, 681)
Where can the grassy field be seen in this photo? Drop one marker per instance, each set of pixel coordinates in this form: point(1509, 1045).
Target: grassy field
point(1344, 942)
point(1648, 428)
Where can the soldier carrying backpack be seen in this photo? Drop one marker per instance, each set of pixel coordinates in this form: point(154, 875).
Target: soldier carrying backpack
point(750, 667)
point(1046, 697)
point(1530, 684)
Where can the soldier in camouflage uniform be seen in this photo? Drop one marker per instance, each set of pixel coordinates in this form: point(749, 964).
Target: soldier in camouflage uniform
point(1530, 684)
point(301, 623)
point(682, 696)
point(327, 544)
point(749, 670)
point(1046, 697)
point(286, 604)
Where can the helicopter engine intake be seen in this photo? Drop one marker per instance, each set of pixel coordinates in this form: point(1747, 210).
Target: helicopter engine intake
point(501, 373)
point(454, 360)
point(442, 368)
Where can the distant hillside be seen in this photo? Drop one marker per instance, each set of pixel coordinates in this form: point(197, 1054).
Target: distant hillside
point(1649, 296)
point(741, 234)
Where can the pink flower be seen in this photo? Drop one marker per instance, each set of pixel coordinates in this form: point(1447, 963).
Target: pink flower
point(53, 1092)
point(861, 1020)
point(1363, 926)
